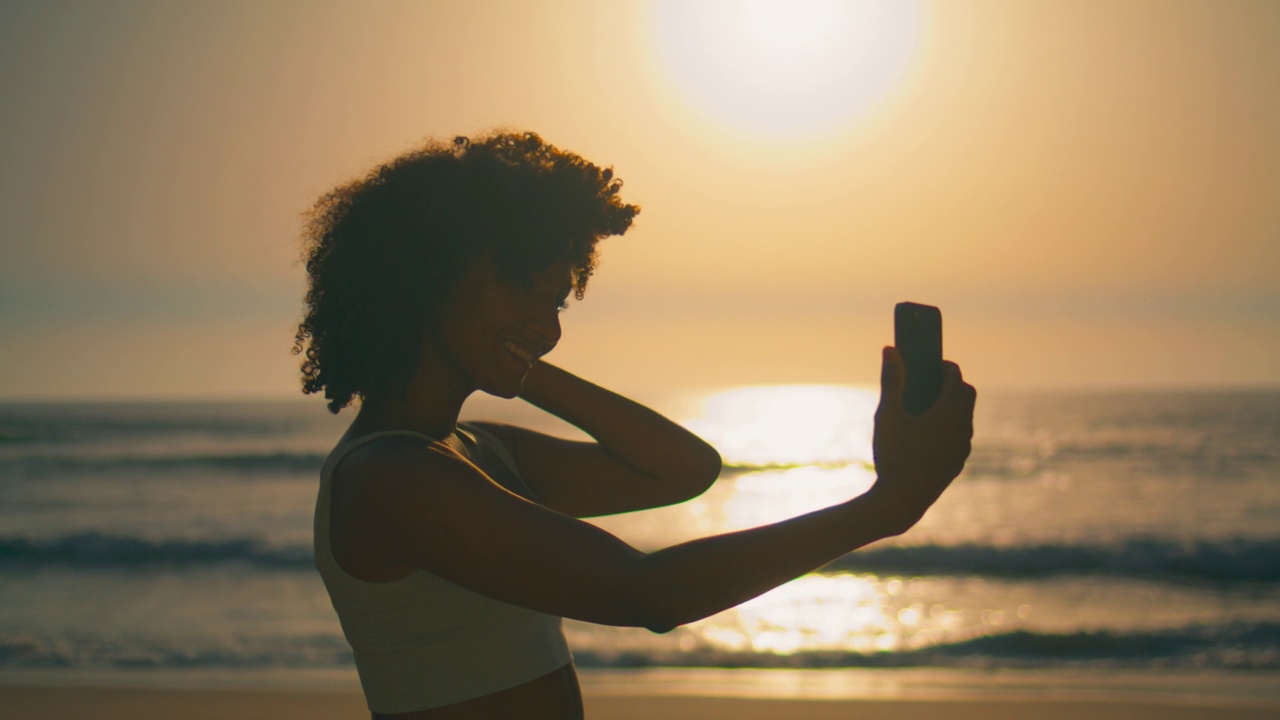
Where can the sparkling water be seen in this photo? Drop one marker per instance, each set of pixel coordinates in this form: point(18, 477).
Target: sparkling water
point(1131, 533)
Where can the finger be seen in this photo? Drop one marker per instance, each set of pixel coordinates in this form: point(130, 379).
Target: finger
point(951, 378)
point(892, 379)
point(950, 394)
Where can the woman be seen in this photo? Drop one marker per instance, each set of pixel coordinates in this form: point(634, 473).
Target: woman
point(451, 551)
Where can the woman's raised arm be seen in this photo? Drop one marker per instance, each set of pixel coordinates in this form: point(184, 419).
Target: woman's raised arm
point(441, 514)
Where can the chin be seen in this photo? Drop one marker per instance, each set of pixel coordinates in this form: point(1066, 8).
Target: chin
point(507, 389)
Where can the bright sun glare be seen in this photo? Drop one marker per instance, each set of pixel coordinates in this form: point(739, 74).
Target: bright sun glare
point(787, 67)
point(789, 424)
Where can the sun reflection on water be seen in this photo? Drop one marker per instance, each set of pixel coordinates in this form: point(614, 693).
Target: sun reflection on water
point(811, 445)
point(816, 612)
point(760, 498)
point(787, 425)
point(789, 450)
point(832, 613)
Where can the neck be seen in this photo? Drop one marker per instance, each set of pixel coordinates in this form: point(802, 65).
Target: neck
point(428, 405)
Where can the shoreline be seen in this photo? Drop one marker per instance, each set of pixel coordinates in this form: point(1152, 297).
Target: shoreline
point(673, 692)
point(68, 703)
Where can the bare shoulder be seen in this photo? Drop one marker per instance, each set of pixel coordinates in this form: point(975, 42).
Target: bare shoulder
point(369, 484)
point(419, 504)
point(401, 463)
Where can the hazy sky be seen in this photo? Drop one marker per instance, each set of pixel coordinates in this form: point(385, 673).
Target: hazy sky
point(1090, 189)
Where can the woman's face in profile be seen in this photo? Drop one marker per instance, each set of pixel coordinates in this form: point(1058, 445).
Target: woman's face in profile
point(492, 331)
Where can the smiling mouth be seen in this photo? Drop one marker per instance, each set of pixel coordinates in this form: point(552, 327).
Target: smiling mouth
point(519, 352)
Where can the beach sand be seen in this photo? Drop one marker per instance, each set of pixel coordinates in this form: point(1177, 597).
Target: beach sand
point(77, 703)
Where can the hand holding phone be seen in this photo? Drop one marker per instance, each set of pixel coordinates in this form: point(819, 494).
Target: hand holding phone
point(917, 331)
point(922, 437)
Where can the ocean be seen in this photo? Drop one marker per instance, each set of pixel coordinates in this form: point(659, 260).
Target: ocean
point(1097, 542)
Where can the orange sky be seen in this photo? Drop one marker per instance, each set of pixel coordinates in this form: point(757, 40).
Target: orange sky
point(1089, 189)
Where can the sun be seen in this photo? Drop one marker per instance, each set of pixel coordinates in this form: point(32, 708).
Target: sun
point(786, 67)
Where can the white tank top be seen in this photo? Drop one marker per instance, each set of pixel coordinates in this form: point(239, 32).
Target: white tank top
point(421, 641)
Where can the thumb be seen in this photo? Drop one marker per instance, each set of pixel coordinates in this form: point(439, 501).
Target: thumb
point(892, 379)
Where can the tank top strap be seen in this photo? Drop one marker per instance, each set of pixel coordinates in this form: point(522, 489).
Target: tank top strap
point(495, 444)
point(346, 447)
point(506, 473)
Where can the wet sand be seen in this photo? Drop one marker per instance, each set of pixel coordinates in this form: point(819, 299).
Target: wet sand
point(68, 703)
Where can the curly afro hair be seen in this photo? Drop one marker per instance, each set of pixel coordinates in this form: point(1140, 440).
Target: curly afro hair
point(383, 251)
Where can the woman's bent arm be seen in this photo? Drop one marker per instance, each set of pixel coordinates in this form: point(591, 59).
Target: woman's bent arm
point(640, 459)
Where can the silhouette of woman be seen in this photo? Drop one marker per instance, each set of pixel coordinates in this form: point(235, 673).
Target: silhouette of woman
point(451, 551)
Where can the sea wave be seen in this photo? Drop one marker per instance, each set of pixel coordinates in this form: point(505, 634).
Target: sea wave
point(65, 424)
point(1236, 646)
point(1219, 460)
point(1227, 561)
point(734, 469)
point(44, 465)
point(95, 550)
point(1232, 646)
point(30, 650)
point(241, 463)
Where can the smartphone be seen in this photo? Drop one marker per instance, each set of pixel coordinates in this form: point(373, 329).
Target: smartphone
point(917, 333)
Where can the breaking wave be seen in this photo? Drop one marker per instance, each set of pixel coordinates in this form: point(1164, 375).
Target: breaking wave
point(1226, 561)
